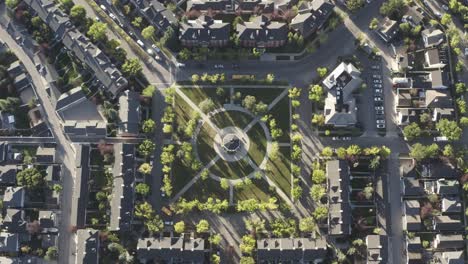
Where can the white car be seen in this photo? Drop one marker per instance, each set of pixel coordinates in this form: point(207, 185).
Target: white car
point(379, 91)
point(103, 8)
point(379, 108)
point(113, 16)
point(155, 48)
point(377, 81)
point(157, 57)
point(375, 67)
point(380, 126)
point(219, 66)
point(380, 121)
point(378, 99)
point(139, 42)
point(379, 112)
point(180, 65)
point(377, 85)
point(168, 223)
point(150, 52)
point(445, 7)
point(376, 76)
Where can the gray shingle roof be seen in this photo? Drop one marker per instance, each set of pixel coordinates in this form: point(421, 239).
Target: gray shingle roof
point(110, 77)
point(129, 113)
point(155, 12)
point(80, 191)
point(13, 221)
point(291, 249)
point(204, 29)
point(122, 200)
point(14, 197)
point(74, 96)
point(87, 246)
point(9, 243)
point(339, 211)
point(167, 249)
point(8, 174)
point(261, 29)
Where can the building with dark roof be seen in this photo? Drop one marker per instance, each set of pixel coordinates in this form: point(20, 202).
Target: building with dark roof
point(339, 212)
point(412, 187)
point(295, 250)
point(80, 190)
point(87, 246)
point(110, 77)
point(414, 250)
point(123, 191)
point(9, 243)
point(129, 114)
point(156, 14)
point(260, 32)
point(8, 175)
point(432, 37)
point(433, 59)
point(377, 249)
point(311, 17)
point(204, 32)
point(182, 249)
point(453, 242)
point(13, 221)
point(45, 155)
point(451, 205)
point(387, 29)
point(447, 223)
point(413, 16)
point(412, 216)
point(14, 197)
point(450, 257)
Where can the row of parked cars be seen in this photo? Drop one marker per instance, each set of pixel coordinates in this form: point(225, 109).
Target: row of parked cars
point(377, 86)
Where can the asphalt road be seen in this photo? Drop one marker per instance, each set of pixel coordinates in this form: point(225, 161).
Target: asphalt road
point(65, 153)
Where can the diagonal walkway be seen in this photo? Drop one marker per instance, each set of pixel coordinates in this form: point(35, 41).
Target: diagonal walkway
point(196, 108)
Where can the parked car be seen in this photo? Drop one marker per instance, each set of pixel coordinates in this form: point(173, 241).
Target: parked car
point(380, 126)
point(103, 8)
point(377, 81)
point(376, 76)
point(378, 99)
point(445, 7)
point(180, 65)
point(219, 66)
point(150, 52)
point(156, 48)
point(380, 121)
point(375, 67)
point(440, 139)
point(168, 223)
point(379, 108)
point(376, 85)
point(380, 112)
point(379, 91)
point(139, 42)
point(113, 16)
point(97, 19)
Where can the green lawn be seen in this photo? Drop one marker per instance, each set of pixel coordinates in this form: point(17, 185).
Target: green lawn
point(203, 189)
point(231, 118)
point(259, 189)
point(197, 95)
point(181, 175)
point(257, 150)
point(183, 111)
point(279, 170)
point(232, 170)
point(205, 142)
point(265, 95)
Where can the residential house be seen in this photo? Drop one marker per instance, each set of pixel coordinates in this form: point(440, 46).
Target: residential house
point(260, 32)
point(447, 223)
point(156, 13)
point(129, 114)
point(413, 16)
point(14, 197)
point(87, 246)
point(438, 79)
point(9, 243)
point(414, 250)
point(258, 6)
point(181, 249)
point(216, 6)
point(15, 69)
point(311, 17)
point(443, 242)
point(377, 249)
point(85, 128)
point(8, 175)
point(447, 187)
point(47, 219)
point(450, 257)
point(432, 37)
point(433, 59)
point(45, 155)
point(69, 99)
point(123, 191)
point(296, 250)
point(13, 221)
point(107, 73)
point(339, 212)
point(451, 205)
point(80, 191)
point(412, 187)
point(406, 116)
point(388, 29)
point(204, 32)
point(412, 216)
point(340, 104)
point(440, 113)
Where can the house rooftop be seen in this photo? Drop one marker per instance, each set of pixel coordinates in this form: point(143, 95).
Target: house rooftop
point(87, 246)
point(167, 249)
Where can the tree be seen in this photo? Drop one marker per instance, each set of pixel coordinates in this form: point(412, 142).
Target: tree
point(274, 150)
point(317, 192)
point(420, 152)
point(30, 178)
point(247, 260)
point(319, 120)
point(368, 192)
point(464, 121)
point(148, 32)
point(12, 3)
point(154, 224)
point(78, 14)
point(215, 239)
point(207, 105)
point(195, 78)
point(131, 68)
point(448, 151)
point(446, 19)
point(148, 126)
point(405, 28)
point(318, 176)
point(460, 88)
point(320, 213)
point(316, 93)
point(392, 8)
point(179, 227)
point(203, 226)
point(322, 71)
point(327, 152)
point(341, 153)
point(57, 188)
point(51, 254)
point(449, 129)
point(146, 147)
point(148, 91)
point(374, 24)
point(270, 78)
point(248, 244)
point(307, 224)
point(249, 102)
point(144, 210)
point(354, 5)
point(215, 259)
point(412, 131)
point(353, 150)
point(142, 189)
point(255, 226)
point(97, 31)
point(137, 22)
point(224, 183)
point(294, 93)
